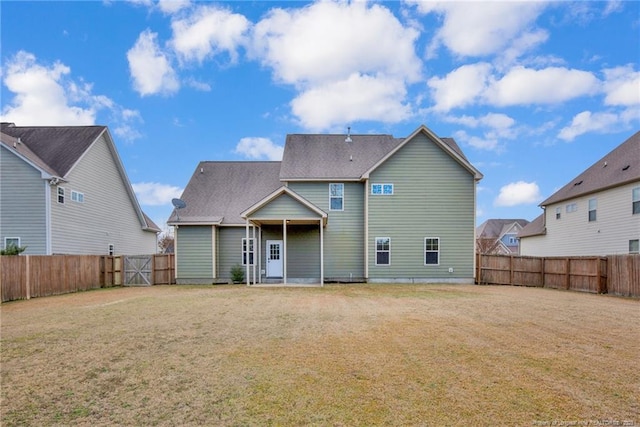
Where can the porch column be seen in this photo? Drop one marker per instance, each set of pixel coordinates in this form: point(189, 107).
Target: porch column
point(321, 254)
point(214, 250)
point(284, 251)
point(247, 242)
point(259, 254)
point(253, 229)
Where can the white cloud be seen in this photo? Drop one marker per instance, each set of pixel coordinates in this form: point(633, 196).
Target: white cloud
point(460, 87)
point(209, 30)
point(518, 193)
point(155, 193)
point(358, 97)
point(600, 122)
point(524, 86)
point(622, 86)
point(257, 148)
point(45, 96)
point(172, 6)
point(481, 28)
point(329, 41)
point(150, 68)
point(487, 143)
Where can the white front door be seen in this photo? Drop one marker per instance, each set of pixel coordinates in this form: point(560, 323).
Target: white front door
point(274, 258)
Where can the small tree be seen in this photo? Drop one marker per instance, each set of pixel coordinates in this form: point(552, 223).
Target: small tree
point(165, 243)
point(237, 274)
point(12, 250)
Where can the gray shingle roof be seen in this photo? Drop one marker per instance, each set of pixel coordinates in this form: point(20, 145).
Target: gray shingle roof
point(495, 228)
point(620, 166)
point(330, 157)
point(59, 147)
point(534, 228)
point(222, 190)
point(16, 145)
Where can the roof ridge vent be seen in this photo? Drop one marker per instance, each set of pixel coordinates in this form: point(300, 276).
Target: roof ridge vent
point(348, 138)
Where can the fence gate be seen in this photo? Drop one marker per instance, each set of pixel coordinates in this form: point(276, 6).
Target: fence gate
point(138, 270)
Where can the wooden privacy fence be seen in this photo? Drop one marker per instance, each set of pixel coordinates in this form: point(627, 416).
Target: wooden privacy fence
point(30, 276)
point(615, 274)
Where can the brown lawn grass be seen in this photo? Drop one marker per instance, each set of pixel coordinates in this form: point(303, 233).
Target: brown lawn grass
point(339, 355)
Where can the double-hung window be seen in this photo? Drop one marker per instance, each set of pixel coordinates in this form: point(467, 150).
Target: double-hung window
point(635, 196)
point(558, 213)
point(336, 197)
point(593, 206)
point(60, 194)
point(383, 251)
point(431, 251)
point(247, 251)
point(634, 246)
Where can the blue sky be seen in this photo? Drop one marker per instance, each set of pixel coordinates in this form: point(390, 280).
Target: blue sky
point(533, 92)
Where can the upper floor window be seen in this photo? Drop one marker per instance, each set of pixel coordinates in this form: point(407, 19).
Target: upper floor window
point(382, 189)
point(572, 207)
point(635, 196)
point(383, 251)
point(558, 212)
point(431, 251)
point(593, 206)
point(60, 194)
point(246, 251)
point(634, 246)
point(336, 197)
point(77, 196)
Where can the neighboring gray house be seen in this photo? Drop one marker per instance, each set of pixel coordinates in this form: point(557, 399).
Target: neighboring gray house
point(64, 190)
point(596, 213)
point(337, 208)
point(499, 236)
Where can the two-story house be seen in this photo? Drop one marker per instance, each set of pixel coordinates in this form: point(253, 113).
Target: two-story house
point(499, 236)
point(596, 213)
point(336, 208)
point(64, 190)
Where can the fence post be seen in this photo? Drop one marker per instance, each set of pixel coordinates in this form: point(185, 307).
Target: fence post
point(28, 277)
point(567, 267)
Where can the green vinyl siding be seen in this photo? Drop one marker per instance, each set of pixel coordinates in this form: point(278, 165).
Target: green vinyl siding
point(194, 252)
point(433, 197)
point(23, 202)
point(229, 246)
point(284, 206)
point(303, 252)
point(344, 233)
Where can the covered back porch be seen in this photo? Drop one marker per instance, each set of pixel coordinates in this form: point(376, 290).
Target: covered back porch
point(287, 234)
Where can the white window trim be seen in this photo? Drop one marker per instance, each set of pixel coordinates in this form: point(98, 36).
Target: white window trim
point(64, 195)
point(11, 238)
point(571, 207)
point(635, 191)
point(331, 197)
point(558, 212)
point(633, 240)
point(377, 250)
point(77, 196)
point(111, 249)
point(382, 187)
point(594, 210)
point(252, 250)
point(425, 251)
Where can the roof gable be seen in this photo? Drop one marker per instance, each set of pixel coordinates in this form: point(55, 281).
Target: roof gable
point(620, 166)
point(447, 144)
point(59, 147)
point(496, 228)
point(280, 194)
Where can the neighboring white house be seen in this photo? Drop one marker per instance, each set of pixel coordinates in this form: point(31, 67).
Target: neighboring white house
point(597, 213)
point(64, 190)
